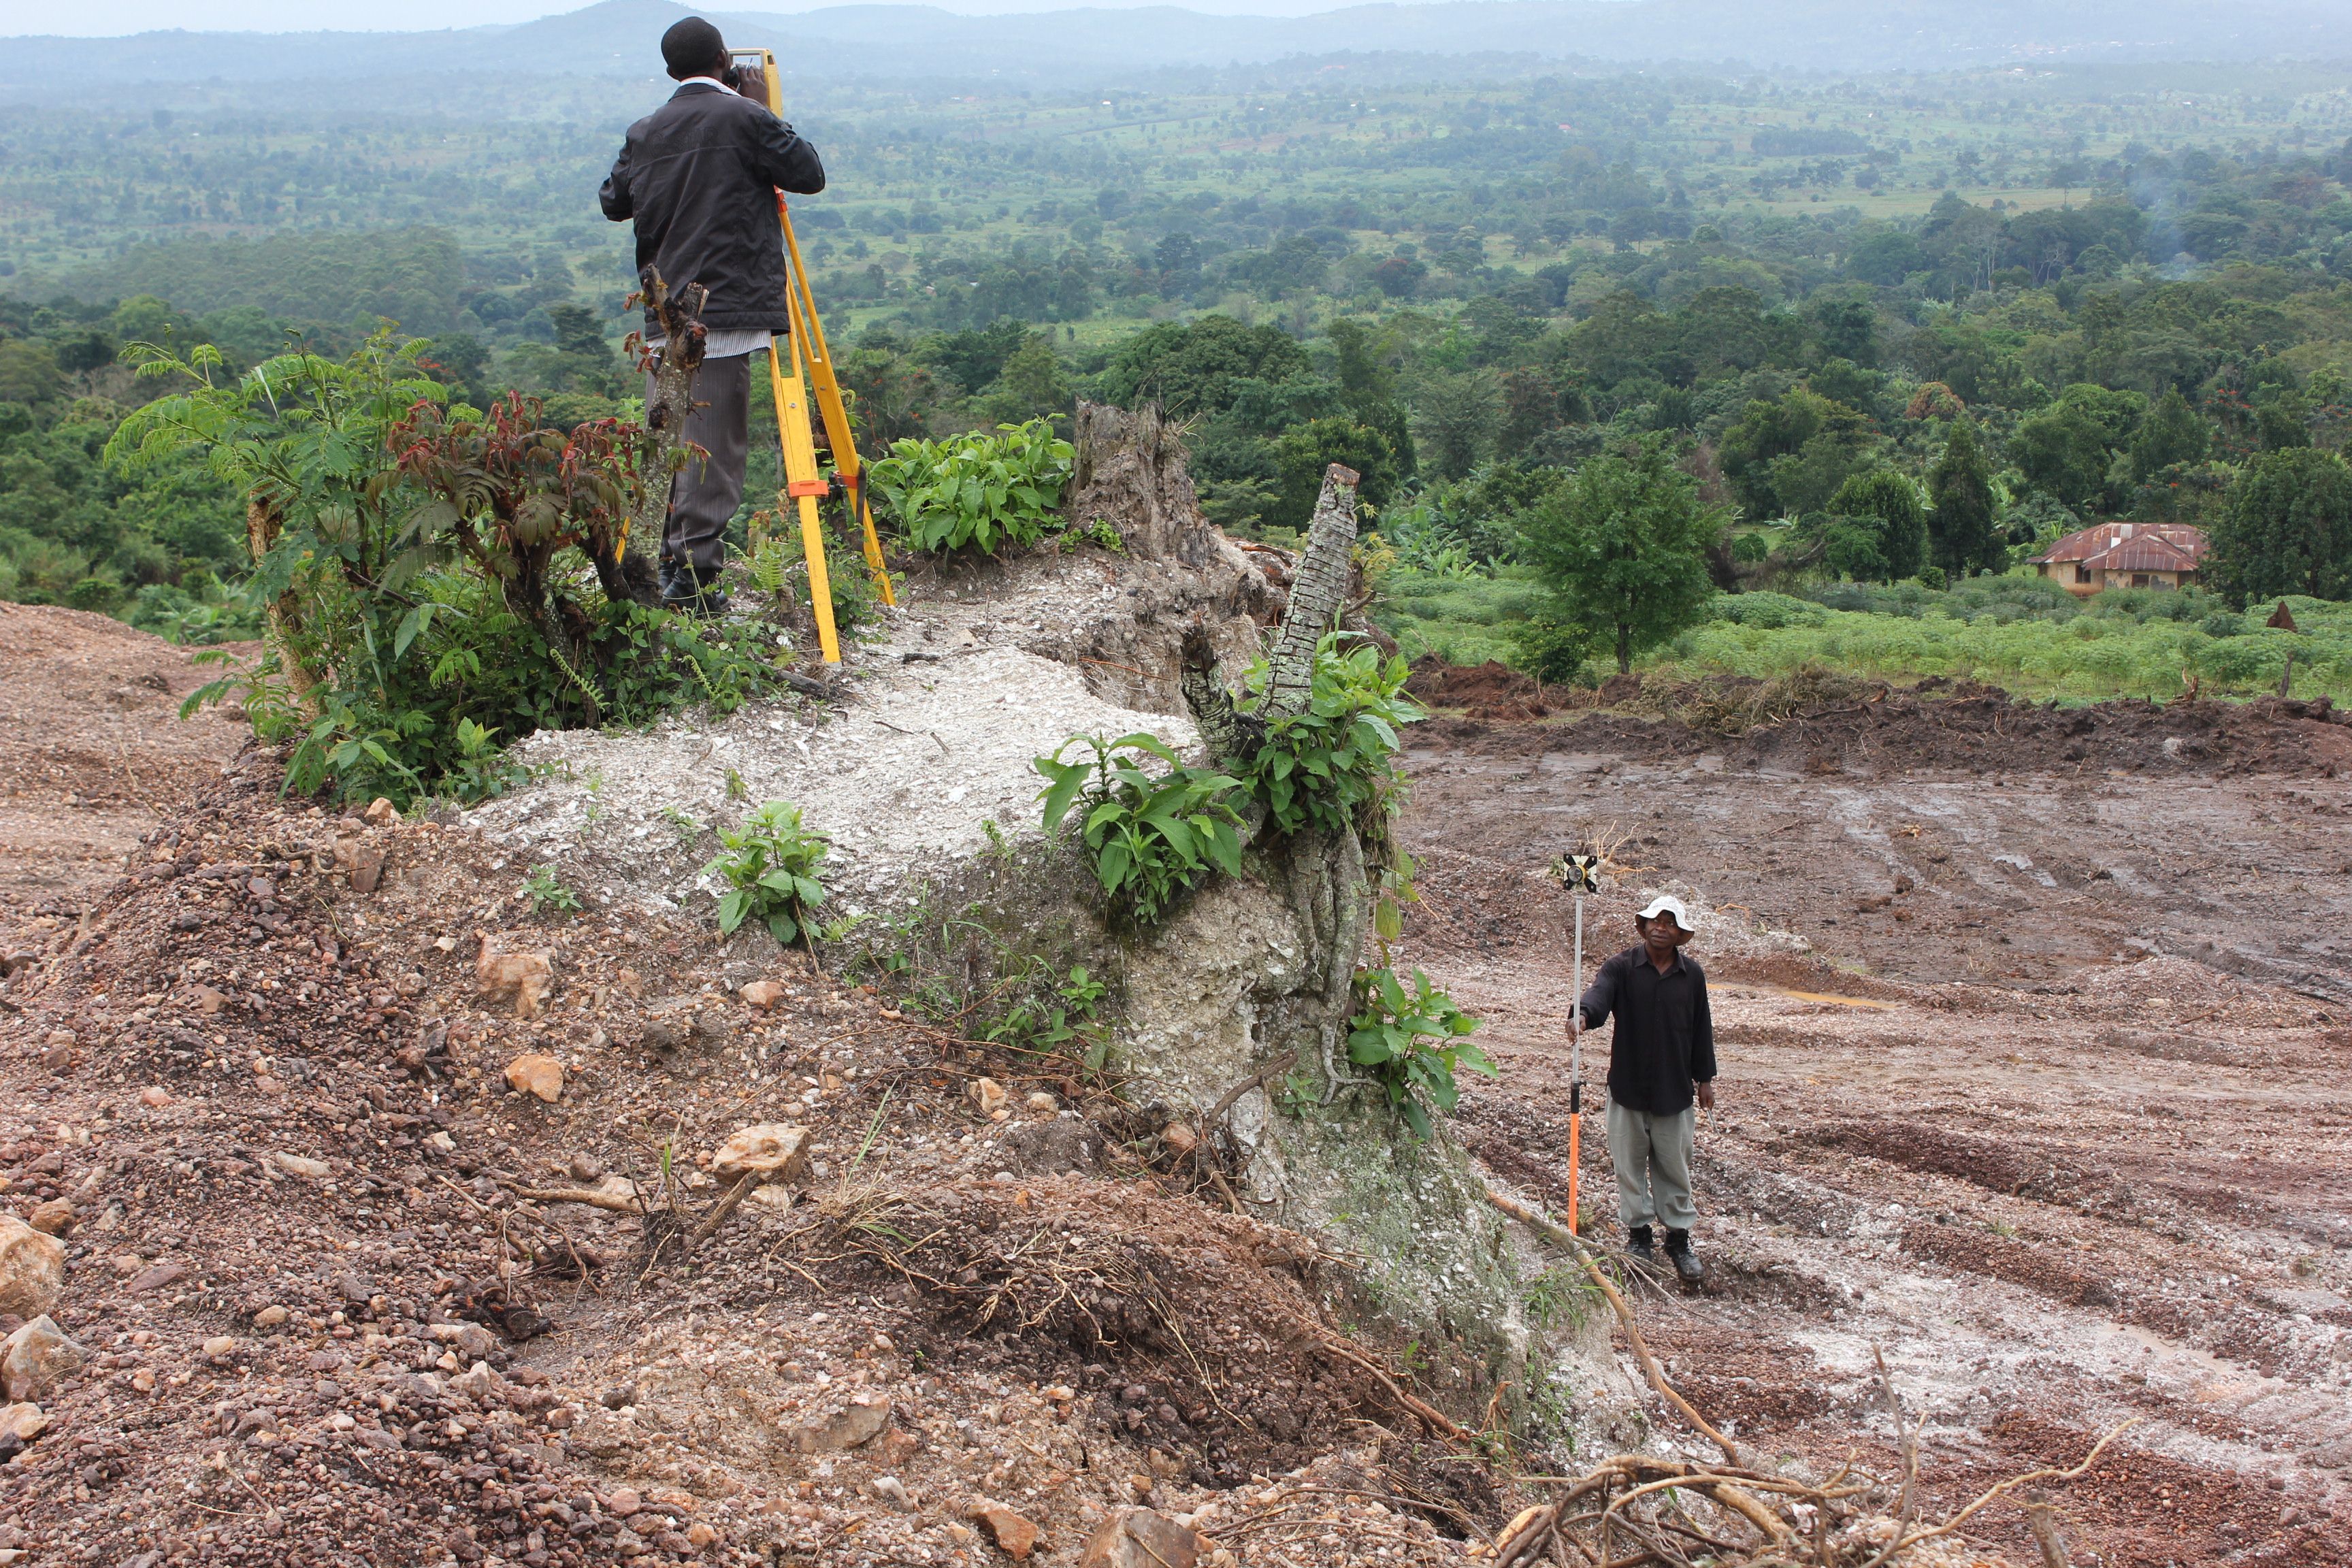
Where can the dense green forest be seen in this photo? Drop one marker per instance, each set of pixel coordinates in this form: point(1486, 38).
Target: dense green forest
point(1897, 332)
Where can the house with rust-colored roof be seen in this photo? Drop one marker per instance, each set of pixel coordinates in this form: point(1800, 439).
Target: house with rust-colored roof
point(2124, 555)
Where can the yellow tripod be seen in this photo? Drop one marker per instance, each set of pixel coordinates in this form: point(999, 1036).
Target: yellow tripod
point(811, 365)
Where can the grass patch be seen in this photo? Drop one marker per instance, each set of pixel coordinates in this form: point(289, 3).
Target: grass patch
point(2088, 656)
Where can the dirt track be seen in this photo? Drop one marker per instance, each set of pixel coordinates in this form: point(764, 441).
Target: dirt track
point(2037, 1080)
point(92, 756)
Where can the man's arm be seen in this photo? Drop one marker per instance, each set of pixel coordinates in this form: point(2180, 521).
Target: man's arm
point(784, 160)
point(614, 195)
point(1600, 999)
point(1702, 1050)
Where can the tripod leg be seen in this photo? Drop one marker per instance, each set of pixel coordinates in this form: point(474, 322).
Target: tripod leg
point(801, 484)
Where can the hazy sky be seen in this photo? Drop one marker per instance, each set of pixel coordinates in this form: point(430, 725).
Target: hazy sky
point(111, 18)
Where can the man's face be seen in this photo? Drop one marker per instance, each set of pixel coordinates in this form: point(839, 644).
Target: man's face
point(1659, 934)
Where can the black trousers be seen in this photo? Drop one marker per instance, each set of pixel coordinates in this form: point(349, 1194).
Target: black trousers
point(705, 494)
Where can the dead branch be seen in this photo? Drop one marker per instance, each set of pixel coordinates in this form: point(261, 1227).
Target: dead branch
point(718, 1213)
point(1272, 1066)
point(1905, 1437)
point(1560, 1236)
point(593, 1199)
point(2038, 1520)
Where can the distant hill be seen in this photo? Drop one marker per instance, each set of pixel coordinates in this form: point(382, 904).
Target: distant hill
point(616, 38)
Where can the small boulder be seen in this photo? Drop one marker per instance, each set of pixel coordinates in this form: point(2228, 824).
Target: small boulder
point(771, 1151)
point(861, 1421)
point(302, 1166)
point(539, 1075)
point(1013, 1535)
point(32, 1269)
point(1040, 1101)
point(210, 1000)
point(218, 1346)
point(381, 813)
point(986, 1095)
point(1179, 1138)
point(523, 977)
point(624, 1503)
point(763, 994)
point(54, 1218)
point(20, 1425)
point(155, 1097)
point(269, 1317)
point(37, 1358)
point(1142, 1538)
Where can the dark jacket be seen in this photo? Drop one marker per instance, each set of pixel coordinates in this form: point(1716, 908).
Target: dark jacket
point(699, 174)
point(1666, 1037)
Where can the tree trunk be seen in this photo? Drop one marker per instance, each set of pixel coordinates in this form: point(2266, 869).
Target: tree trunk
point(630, 574)
point(283, 614)
point(1318, 593)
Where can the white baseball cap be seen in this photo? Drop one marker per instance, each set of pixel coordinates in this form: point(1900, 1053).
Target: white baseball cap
point(1667, 904)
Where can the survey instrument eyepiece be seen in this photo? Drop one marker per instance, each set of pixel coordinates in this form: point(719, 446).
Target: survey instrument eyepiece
point(752, 73)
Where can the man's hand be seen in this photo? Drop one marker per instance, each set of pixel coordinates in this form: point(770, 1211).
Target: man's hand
point(1705, 1093)
point(1575, 1025)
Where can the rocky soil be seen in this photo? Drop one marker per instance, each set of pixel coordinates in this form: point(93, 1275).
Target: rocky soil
point(397, 1220)
point(2034, 1075)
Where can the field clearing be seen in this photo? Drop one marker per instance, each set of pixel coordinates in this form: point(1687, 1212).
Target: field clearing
point(2076, 1161)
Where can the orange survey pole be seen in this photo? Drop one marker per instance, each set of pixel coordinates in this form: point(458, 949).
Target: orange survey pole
point(1576, 874)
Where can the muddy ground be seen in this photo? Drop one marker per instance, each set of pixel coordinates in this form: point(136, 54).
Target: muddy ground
point(2037, 1075)
point(2026, 1082)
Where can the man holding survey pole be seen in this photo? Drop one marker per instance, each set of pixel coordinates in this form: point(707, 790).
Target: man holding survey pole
point(698, 176)
point(1661, 1062)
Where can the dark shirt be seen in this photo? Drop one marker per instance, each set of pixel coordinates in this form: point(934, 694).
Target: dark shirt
point(699, 175)
point(1664, 1038)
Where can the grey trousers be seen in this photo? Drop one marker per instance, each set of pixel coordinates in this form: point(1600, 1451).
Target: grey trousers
point(705, 494)
point(1651, 1155)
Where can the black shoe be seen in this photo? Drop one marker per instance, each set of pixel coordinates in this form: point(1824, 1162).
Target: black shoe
point(671, 588)
point(1686, 1267)
point(1638, 1243)
point(681, 595)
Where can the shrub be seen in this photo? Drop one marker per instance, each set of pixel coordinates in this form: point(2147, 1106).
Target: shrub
point(1154, 836)
point(420, 570)
point(1331, 766)
point(773, 870)
point(1413, 1038)
point(980, 491)
point(1554, 652)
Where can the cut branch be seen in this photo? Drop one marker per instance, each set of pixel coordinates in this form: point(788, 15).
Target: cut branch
point(1562, 1236)
point(669, 400)
point(1318, 593)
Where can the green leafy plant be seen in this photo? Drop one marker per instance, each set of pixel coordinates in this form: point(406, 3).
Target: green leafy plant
point(1056, 1012)
point(1333, 765)
point(547, 892)
point(774, 869)
point(1413, 1039)
point(424, 575)
point(981, 491)
point(482, 769)
point(1154, 835)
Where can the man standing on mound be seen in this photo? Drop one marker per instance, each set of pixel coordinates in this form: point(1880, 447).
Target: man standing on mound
point(1660, 1059)
point(699, 175)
